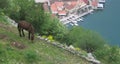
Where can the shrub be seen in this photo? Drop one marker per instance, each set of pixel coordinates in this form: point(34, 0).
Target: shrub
point(44, 36)
point(3, 19)
point(84, 39)
point(77, 49)
point(109, 55)
point(50, 37)
point(3, 4)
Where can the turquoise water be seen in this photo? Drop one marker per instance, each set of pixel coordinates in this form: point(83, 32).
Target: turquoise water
point(106, 22)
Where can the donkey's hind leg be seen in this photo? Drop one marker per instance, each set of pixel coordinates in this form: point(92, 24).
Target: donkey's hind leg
point(19, 29)
point(23, 33)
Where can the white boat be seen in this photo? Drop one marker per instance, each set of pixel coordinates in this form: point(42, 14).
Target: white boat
point(76, 24)
point(100, 6)
point(101, 1)
point(71, 24)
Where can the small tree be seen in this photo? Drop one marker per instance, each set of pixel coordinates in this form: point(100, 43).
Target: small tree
point(4, 6)
point(18, 9)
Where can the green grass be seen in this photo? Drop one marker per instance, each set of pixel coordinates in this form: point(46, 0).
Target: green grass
point(38, 52)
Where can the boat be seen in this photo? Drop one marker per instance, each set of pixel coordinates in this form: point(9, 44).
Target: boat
point(102, 1)
point(100, 6)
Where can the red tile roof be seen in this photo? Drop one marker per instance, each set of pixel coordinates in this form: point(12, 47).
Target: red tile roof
point(53, 7)
point(59, 4)
point(86, 1)
point(63, 12)
point(70, 5)
point(95, 3)
point(56, 6)
point(74, 3)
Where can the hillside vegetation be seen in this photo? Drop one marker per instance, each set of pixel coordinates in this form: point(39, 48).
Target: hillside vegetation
point(17, 50)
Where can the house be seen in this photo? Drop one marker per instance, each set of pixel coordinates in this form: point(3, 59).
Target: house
point(94, 4)
point(54, 9)
point(62, 13)
point(70, 5)
point(86, 1)
point(59, 5)
point(58, 8)
point(73, 6)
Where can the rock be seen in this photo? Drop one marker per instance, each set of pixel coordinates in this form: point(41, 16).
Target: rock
point(92, 59)
point(90, 56)
point(71, 47)
point(18, 45)
point(12, 22)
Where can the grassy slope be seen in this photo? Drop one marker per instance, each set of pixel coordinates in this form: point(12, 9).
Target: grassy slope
point(43, 53)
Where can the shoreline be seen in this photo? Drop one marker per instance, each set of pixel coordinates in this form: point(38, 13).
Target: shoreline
point(88, 9)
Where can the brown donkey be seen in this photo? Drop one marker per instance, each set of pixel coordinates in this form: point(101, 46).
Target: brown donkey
point(28, 27)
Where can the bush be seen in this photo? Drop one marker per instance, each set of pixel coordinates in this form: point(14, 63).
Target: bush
point(85, 39)
point(3, 4)
point(44, 36)
point(50, 37)
point(108, 55)
point(3, 18)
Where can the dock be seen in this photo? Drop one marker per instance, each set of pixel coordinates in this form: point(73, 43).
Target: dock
point(75, 18)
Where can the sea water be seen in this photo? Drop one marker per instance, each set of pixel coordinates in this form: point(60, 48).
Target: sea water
point(105, 22)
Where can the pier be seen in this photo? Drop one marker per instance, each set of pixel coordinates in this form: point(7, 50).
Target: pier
point(74, 18)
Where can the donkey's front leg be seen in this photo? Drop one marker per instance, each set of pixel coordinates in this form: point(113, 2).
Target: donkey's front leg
point(19, 29)
point(29, 35)
point(23, 33)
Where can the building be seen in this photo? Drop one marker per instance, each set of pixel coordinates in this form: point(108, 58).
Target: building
point(101, 1)
point(40, 1)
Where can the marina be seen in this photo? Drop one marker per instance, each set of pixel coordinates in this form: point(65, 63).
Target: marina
point(75, 18)
point(78, 15)
point(72, 18)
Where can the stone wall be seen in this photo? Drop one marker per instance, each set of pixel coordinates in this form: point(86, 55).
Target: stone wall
point(89, 57)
